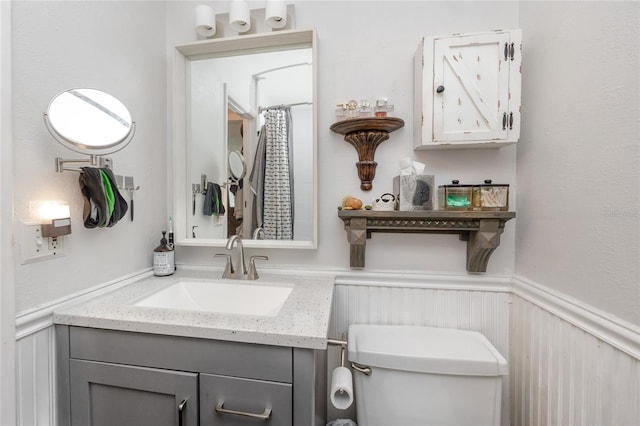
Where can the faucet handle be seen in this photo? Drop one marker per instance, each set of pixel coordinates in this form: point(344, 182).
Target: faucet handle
point(253, 272)
point(228, 269)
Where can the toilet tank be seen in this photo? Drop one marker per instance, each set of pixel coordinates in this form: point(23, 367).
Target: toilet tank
point(423, 376)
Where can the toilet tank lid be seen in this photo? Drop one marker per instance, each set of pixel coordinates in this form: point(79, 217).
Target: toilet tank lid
point(425, 350)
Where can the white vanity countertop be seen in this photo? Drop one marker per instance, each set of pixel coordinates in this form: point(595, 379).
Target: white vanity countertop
point(303, 321)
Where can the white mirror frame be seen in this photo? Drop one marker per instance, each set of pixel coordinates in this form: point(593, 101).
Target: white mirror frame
point(226, 47)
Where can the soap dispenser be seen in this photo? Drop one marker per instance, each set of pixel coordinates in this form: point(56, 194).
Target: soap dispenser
point(163, 258)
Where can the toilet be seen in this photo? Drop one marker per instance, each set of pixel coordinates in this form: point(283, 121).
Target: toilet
point(421, 376)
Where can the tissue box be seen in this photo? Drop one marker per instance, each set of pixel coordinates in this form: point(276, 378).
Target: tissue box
point(415, 192)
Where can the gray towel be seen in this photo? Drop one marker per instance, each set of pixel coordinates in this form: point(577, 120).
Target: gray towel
point(95, 212)
point(96, 207)
point(213, 200)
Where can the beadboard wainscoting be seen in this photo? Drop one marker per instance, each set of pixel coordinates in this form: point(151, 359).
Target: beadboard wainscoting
point(36, 354)
point(468, 302)
point(35, 381)
point(569, 364)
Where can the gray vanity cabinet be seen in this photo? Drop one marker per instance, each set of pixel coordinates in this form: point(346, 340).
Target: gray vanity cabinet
point(105, 394)
point(119, 378)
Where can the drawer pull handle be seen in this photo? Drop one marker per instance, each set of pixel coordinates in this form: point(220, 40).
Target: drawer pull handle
point(264, 416)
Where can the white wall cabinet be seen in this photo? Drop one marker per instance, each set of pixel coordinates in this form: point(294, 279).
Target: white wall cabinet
point(467, 90)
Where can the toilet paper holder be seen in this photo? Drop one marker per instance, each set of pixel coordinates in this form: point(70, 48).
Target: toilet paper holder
point(343, 346)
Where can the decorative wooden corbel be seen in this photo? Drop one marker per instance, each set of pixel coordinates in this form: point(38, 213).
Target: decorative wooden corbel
point(365, 134)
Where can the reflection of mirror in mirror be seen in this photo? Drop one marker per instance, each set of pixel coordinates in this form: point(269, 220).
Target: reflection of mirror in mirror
point(250, 108)
point(237, 168)
point(89, 121)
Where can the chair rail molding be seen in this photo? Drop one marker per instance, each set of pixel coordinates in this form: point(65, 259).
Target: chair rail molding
point(620, 334)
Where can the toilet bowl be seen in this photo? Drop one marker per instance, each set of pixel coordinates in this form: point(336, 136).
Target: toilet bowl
point(421, 376)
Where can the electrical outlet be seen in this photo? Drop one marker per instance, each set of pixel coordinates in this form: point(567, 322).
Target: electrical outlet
point(55, 244)
point(35, 247)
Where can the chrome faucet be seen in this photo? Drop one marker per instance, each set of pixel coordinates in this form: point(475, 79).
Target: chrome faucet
point(238, 269)
point(258, 234)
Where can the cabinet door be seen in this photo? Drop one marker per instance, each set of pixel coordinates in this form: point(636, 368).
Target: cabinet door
point(105, 394)
point(471, 89)
point(232, 401)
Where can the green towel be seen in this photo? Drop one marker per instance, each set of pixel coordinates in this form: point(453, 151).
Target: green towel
point(108, 191)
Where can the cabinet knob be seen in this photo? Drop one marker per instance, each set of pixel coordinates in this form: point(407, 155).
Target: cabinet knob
point(440, 89)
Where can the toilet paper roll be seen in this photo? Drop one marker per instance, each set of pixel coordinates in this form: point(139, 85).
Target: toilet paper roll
point(240, 16)
point(341, 388)
point(276, 13)
point(205, 21)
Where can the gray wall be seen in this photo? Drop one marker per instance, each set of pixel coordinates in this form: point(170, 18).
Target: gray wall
point(118, 47)
point(578, 225)
point(365, 50)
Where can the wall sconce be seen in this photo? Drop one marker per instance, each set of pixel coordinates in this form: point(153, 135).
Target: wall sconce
point(41, 236)
point(56, 219)
point(205, 20)
point(240, 16)
point(276, 13)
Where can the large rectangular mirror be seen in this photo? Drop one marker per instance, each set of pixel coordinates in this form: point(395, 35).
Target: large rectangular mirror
point(245, 141)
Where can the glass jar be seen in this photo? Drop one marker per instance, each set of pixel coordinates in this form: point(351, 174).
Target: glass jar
point(491, 197)
point(455, 196)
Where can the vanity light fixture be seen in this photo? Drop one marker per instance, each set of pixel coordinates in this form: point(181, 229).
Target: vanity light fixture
point(205, 21)
point(276, 13)
point(240, 16)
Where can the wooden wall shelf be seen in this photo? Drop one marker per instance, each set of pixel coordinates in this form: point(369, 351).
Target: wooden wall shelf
point(481, 230)
point(365, 134)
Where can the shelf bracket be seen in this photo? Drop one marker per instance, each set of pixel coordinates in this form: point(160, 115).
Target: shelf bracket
point(482, 243)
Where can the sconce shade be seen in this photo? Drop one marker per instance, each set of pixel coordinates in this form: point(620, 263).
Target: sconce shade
point(57, 228)
point(205, 21)
point(276, 13)
point(240, 16)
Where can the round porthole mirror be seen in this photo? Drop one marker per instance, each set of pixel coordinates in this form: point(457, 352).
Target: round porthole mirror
point(237, 166)
point(89, 121)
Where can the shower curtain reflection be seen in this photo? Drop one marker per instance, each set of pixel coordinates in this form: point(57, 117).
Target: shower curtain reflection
point(271, 179)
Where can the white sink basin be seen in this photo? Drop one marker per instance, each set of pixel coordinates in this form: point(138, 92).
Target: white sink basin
point(222, 296)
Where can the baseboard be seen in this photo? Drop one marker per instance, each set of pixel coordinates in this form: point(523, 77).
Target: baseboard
point(618, 333)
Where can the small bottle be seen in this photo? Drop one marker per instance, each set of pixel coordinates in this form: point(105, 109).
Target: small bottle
point(364, 109)
point(341, 112)
point(352, 109)
point(381, 109)
point(163, 258)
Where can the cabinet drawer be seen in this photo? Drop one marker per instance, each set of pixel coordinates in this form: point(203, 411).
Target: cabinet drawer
point(232, 401)
point(182, 353)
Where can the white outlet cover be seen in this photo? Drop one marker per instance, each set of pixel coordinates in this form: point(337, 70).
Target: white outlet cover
point(35, 247)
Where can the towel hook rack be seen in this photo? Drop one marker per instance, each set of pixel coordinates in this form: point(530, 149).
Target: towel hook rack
point(93, 160)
